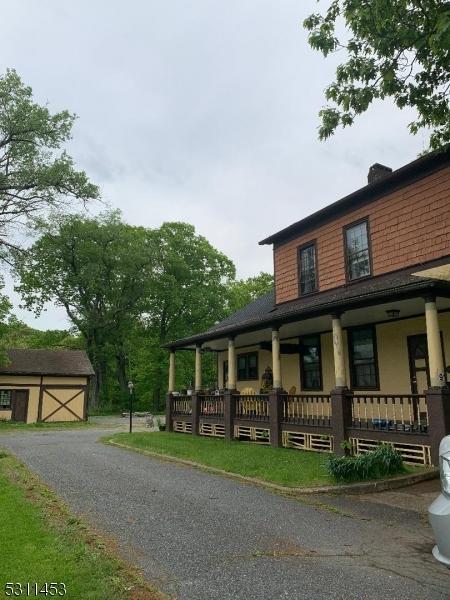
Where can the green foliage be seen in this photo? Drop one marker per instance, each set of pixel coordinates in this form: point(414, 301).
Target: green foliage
point(381, 462)
point(244, 291)
point(19, 335)
point(35, 172)
point(395, 48)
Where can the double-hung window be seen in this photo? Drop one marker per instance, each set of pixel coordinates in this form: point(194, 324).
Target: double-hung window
point(363, 357)
point(357, 250)
point(247, 366)
point(310, 363)
point(308, 269)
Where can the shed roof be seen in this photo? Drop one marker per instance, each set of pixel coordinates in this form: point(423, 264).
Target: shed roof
point(47, 362)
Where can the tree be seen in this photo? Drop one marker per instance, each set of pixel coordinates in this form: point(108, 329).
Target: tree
point(35, 174)
point(188, 295)
point(396, 48)
point(99, 270)
point(244, 291)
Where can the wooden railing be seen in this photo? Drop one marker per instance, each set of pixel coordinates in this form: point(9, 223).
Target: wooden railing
point(390, 413)
point(211, 406)
point(182, 405)
point(307, 410)
point(252, 408)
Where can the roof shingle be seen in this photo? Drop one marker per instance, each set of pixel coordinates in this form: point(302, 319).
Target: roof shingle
point(47, 362)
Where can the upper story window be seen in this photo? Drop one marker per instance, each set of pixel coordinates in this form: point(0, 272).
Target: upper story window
point(357, 250)
point(247, 366)
point(308, 269)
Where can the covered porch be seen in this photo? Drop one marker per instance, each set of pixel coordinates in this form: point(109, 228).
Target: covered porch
point(348, 377)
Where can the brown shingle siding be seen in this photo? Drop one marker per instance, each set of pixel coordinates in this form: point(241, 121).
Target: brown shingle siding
point(407, 226)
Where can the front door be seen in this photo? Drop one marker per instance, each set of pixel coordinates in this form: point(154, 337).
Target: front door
point(20, 406)
point(418, 363)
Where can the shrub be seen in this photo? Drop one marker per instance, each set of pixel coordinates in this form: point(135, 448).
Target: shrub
point(381, 462)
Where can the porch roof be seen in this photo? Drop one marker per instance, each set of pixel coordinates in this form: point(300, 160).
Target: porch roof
point(398, 285)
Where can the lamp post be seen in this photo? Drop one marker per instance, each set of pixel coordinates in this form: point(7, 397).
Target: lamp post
point(130, 388)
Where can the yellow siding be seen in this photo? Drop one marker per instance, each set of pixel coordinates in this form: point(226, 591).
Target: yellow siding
point(50, 405)
point(64, 380)
point(5, 415)
point(22, 379)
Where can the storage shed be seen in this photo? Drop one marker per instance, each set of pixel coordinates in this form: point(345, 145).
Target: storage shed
point(45, 385)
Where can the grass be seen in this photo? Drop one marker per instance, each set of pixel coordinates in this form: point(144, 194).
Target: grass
point(293, 468)
point(42, 541)
point(12, 426)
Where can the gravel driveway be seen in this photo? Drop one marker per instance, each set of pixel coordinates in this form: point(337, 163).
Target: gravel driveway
point(198, 536)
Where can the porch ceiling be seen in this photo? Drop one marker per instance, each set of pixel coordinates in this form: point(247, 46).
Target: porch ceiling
point(411, 307)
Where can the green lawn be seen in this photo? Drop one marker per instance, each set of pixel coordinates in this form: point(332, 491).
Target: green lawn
point(41, 541)
point(12, 426)
point(295, 468)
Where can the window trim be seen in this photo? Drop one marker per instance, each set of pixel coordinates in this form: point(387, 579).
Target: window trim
point(312, 243)
point(302, 370)
point(350, 331)
point(369, 248)
point(247, 355)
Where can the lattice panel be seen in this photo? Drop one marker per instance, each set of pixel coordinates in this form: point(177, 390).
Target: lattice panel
point(212, 429)
point(182, 427)
point(307, 441)
point(413, 454)
point(253, 434)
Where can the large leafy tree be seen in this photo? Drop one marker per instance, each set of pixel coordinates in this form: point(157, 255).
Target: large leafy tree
point(99, 270)
point(244, 291)
point(35, 171)
point(397, 49)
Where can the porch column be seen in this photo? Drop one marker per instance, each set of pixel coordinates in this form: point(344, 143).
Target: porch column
point(435, 356)
point(198, 368)
point(276, 361)
point(171, 371)
point(340, 376)
point(231, 364)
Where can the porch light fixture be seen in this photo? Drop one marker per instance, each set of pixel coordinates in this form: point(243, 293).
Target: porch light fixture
point(393, 313)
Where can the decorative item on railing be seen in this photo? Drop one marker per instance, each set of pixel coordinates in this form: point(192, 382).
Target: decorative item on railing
point(211, 406)
point(182, 405)
point(407, 413)
point(303, 409)
point(252, 408)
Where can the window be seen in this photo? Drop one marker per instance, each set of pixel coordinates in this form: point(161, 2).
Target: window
point(310, 363)
point(363, 358)
point(357, 251)
point(308, 269)
point(247, 366)
point(5, 398)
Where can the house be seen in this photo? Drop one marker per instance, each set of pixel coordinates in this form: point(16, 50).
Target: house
point(355, 335)
point(45, 385)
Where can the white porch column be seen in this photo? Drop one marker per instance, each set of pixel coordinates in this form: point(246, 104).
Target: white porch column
point(171, 371)
point(435, 355)
point(198, 368)
point(340, 376)
point(276, 360)
point(231, 364)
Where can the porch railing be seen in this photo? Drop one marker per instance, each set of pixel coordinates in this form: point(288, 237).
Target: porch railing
point(182, 405)
point(390, 413)
point(307, 410)
point(252, 408)
point(211, 406)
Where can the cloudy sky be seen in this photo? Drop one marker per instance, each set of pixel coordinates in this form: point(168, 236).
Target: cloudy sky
point(202, 111)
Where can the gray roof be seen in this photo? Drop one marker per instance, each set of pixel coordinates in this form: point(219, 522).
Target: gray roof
point(264, 312)
point(47, 362)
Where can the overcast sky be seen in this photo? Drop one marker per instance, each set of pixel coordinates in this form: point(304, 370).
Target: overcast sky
point(202, 111)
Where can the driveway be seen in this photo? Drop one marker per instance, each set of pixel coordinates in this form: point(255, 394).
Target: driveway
point(198, 536)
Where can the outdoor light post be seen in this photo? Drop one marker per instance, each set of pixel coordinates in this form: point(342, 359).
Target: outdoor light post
point(130, 387)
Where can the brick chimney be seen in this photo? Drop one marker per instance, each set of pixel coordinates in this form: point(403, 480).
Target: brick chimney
point(377, 172)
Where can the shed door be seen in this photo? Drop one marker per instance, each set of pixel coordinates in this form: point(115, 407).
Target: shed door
point(20, 406)
point(63, 403)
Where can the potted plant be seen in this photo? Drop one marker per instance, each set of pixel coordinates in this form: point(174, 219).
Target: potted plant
point(161, 425)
